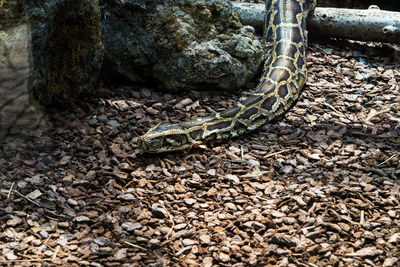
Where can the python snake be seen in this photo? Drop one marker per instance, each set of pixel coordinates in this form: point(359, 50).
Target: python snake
point(283, 77)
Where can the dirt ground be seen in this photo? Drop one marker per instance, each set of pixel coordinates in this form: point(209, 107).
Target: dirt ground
point(318, 186)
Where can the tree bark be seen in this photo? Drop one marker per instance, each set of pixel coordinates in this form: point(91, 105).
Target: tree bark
point(370, 24)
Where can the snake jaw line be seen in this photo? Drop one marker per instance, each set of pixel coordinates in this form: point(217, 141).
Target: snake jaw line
point(156, 141)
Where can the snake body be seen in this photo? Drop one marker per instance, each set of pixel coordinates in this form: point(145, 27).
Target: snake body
point(283, 77)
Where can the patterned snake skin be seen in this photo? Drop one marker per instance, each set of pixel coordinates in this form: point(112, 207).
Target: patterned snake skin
point(283, 77)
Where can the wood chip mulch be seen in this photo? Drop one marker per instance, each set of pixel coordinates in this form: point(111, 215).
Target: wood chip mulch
point(317, 187)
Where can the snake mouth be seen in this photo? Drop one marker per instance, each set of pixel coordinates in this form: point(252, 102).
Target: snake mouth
point(165, 137)
point(150, 145)
point(163, 143)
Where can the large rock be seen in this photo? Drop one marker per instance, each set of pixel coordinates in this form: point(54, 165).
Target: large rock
point(66, 48)
point(64, 41)
point(178, 44)
point(51, 51)
point(14, 65)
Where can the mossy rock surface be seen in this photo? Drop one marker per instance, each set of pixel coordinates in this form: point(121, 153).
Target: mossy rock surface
point(66, 49)
point(11, 12)
point(179, 44)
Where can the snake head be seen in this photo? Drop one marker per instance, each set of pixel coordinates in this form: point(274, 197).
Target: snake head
point(164, 137)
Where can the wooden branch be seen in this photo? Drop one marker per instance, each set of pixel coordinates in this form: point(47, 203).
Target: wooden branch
point(370, 24)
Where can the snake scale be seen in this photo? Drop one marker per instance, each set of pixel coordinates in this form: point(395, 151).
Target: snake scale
point(283, 77)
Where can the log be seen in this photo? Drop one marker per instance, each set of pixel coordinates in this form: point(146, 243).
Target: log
point(370, 24)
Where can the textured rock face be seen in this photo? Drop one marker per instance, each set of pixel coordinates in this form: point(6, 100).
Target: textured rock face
point(50, 50)
point(179, 44)
point(11, 12)
point(66, 48)
point(64, 40)
point(14, 75)
point(14, 66)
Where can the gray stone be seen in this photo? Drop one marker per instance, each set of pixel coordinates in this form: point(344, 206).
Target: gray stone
point(101, 241)
point(81, 219)
point(92, 121)
point(130, 226)
point(103, 118)
point(113, 124)
point(179, 44)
